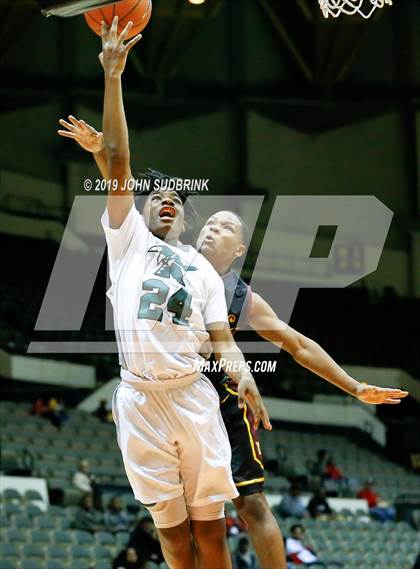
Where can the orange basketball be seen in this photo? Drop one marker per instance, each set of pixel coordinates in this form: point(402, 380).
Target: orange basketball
point(136, 11)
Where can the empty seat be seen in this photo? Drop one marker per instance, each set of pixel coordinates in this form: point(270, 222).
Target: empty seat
point(104, 538)
point(54, 564)
point(16, 536)
point(63, 537)
point(106, 564)
point(57, 511)
point(32, 510)
point(31, 564)
point(64, 523)
point(6, 564)
point(20, 522)
point(31, 551)
point(10, 494)
point(58, 552)
point(84, 537)
point(32, 495)
point(101, 552)
point(45, 522)
point(62, 483)
point(79, 552)
point(10, 508)
point(40, 537)
point(9, 551)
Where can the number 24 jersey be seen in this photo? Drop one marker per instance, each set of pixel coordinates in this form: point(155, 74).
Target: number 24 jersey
point(163, 298)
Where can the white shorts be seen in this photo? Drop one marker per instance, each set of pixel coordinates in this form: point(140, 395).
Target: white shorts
point(174, 442)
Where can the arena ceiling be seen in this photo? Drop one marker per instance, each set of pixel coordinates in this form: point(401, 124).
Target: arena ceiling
point(280, 58)
point(276, 53)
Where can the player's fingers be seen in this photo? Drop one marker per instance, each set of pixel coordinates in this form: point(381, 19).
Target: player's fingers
point(104, 30)
point(114, 27)
point(74, 120)
point(132, 42)
point(87, 126)
point(101, 58)
point(390, 401)
point(66, 133)
point(124, 33)
point(257, 420)
point(266, 419)
point(67, 125)
point(394, 392)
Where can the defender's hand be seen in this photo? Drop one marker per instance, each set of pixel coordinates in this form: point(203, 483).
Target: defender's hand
point(378, 395)
point(114, 51)
point(84, 134)
point(248, 392)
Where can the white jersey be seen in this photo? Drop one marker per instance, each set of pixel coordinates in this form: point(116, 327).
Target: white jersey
point(163, 298)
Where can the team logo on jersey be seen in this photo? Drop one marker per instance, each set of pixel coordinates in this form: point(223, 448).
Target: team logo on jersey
point(232, 318)
point(170, 264)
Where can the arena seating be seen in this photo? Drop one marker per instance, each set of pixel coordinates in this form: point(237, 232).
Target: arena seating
point(356, 463)
point(32, 539)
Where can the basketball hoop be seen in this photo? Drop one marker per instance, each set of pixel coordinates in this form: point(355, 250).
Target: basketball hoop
point(67, 8)
point(364, 8)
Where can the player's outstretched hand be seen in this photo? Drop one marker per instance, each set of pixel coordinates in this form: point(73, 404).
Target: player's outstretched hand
point(84, 134)
point(248, 392)
point(378, 395)
point(114, 51)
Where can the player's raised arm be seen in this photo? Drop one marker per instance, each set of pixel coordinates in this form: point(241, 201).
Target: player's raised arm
point(113, 59)
point(310, 355)
point(233, 364)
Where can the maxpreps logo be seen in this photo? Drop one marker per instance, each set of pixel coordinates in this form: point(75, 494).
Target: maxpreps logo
point(361, 226)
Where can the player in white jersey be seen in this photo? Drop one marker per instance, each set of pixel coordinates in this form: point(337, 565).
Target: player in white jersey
point(168, 303)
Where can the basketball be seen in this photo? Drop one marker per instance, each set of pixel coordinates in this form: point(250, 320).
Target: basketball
point(136, 11)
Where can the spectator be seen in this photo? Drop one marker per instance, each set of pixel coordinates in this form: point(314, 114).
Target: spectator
point(319, 466)
point(314, 481)
point(103, 414)
point(334, 478)
point(116, 518)
point(318, 505)
point(382, 513)
point(145, 541)
point(292, 504)
point(39, 408)
point(243, 557)
point(56, 412)
point(128, 559)
point(87, 518)
point(234, 525)
point(297, 551)
point(83, 479)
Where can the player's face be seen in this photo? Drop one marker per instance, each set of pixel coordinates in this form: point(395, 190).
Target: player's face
point(221, 238)
point(164, 215)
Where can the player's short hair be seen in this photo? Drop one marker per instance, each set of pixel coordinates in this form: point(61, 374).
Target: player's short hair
point(189, 209)
point(244, 227)
point(294, 527)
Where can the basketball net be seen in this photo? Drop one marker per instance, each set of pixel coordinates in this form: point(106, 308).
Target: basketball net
point(364, 8)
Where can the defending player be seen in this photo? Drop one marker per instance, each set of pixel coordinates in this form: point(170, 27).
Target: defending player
point(168, 302)
point(222, 241)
